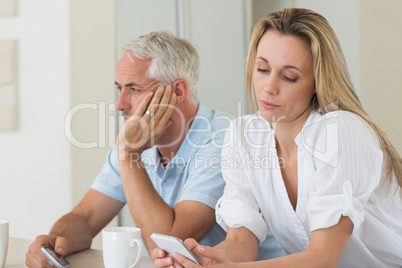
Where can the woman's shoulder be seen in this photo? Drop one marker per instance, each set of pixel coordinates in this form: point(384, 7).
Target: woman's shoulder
point(344, 121)
point(339, 127)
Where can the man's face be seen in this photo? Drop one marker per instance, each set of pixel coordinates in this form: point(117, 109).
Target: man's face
point(132, 81)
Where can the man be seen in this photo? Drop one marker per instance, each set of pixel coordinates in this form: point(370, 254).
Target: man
point(166, 162)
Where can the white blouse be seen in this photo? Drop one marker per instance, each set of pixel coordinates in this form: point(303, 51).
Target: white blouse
point(339, 173)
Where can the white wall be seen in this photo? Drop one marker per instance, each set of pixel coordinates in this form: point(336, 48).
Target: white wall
point(92, 88)
point(380, 61)
point(261, 8)
point(218, 31)
point(343, 16)
point(93, 41)
point(150, 16)
point(35, 176)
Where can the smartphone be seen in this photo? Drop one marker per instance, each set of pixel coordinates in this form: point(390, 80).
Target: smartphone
point(57, 260)
point(171, 244)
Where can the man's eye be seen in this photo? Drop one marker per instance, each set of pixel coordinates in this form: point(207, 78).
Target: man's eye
point(133, 89)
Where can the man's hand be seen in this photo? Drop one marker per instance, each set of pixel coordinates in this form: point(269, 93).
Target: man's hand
point(35, 257)
point(147, 124)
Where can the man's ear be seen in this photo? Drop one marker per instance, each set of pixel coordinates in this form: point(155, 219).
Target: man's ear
point(181, 89)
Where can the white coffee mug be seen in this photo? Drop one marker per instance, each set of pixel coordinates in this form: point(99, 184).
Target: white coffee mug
point(3, 242)
point(122, 247)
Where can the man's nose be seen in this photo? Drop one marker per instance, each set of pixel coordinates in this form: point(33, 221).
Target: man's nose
point(123, 101)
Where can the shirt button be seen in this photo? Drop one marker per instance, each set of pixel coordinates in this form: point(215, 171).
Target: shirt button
point(165, 184)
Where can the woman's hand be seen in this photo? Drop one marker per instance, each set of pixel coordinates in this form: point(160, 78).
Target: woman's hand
point(207, 256)
point(162, 260)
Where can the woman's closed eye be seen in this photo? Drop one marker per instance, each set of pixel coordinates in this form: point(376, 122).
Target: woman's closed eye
point(288, 79)
point(284, 77)
point(261, 70)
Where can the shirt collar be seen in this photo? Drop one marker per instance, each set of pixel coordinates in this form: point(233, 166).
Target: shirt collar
point(314, 115)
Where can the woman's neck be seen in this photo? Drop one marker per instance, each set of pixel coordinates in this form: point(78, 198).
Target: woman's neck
point(286, 132)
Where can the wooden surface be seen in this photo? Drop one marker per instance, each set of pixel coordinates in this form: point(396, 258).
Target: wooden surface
point(90, 258)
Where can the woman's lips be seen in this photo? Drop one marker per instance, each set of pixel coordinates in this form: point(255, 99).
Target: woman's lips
point(269, 105)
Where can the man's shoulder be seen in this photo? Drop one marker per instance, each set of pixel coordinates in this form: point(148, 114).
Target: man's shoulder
point(220, 119)
point(211, 121)
point(208, 126)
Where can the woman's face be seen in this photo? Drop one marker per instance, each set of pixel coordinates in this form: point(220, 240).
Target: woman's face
point(283, 78)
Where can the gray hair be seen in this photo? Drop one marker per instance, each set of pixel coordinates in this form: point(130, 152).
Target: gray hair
point(171, 57)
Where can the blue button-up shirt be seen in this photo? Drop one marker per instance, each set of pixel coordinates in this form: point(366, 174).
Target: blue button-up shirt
point(193, 174)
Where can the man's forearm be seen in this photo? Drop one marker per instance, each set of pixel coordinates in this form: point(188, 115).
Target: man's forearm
point(77, 232)
point(150, 213)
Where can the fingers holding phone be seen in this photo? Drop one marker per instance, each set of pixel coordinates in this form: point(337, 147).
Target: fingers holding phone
point(36, 258)
point(54, 258)
point(172, 245)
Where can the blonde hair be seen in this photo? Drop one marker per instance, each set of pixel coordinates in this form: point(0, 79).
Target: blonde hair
point(334, 89)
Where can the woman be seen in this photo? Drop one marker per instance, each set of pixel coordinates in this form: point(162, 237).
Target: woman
point(331, 191)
